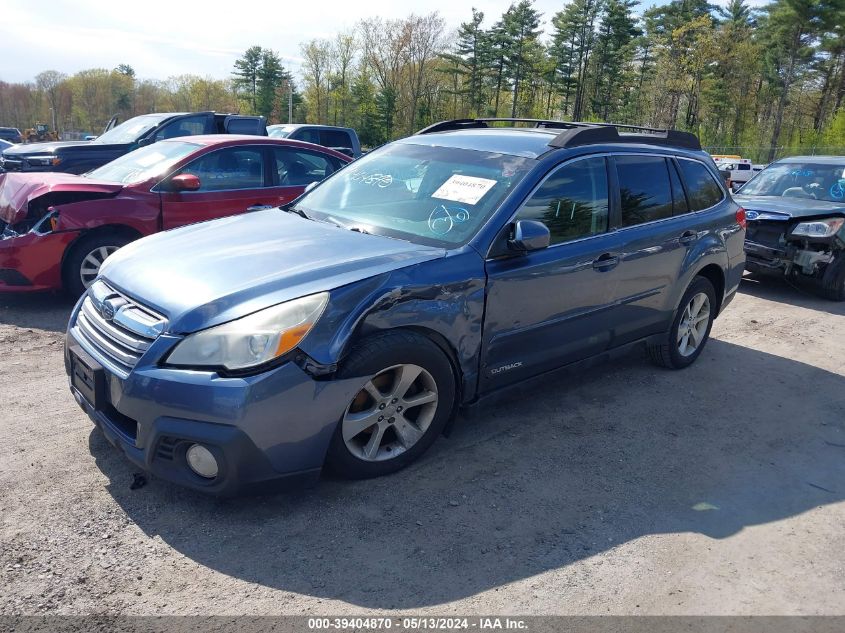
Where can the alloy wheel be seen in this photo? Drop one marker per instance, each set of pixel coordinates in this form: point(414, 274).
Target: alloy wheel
point(91, 263)
point(692, 327)
point(391, 413)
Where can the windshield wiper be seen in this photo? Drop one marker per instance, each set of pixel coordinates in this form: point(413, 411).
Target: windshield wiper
point(300, 212)
point(350, 227)
point(328, 219)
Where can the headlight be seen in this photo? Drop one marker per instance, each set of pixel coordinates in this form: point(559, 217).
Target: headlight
point(252, 340)
point(818, 228)
point(44, 161)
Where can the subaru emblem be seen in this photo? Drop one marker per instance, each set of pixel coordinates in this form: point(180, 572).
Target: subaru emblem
point(751, 215)
point(108, 309)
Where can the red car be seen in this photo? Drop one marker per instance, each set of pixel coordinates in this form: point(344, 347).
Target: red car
point(58, 228)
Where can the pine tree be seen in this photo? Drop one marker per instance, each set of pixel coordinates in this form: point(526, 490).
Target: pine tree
point(521, 27)
point(614, 51)
point(473, 49)
point(271, 77)
point(246, 75)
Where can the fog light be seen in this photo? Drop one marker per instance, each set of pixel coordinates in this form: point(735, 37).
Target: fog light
point(201, 461)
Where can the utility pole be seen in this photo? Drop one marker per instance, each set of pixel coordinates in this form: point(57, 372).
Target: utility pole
point(290, 101)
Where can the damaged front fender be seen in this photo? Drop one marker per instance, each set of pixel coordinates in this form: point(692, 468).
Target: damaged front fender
point(32, 262)
point(442, 298)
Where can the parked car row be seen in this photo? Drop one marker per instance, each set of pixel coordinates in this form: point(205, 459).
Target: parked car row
point(345, 328)
point(58, 228)
point(78, 157)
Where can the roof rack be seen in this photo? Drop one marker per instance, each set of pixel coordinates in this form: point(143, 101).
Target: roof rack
point(576, 133)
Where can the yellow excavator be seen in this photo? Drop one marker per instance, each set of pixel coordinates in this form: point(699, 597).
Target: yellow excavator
point(38, 134)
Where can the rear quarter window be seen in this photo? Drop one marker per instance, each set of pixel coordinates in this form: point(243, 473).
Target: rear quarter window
point(702, 189)
point(335, 138)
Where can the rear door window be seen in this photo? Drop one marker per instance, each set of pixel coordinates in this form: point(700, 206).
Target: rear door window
point(702, 189)
point(299, 168)
point(644, 189)
point(186, 126)
point(572, 202)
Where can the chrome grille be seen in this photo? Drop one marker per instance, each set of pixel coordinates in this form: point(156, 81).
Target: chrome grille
point(116, 328)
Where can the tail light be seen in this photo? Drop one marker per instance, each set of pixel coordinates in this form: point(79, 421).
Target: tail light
point(740, 218)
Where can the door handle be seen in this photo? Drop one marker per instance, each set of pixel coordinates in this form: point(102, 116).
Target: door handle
point(688, 237)
point(605, 261)
point(260, 207)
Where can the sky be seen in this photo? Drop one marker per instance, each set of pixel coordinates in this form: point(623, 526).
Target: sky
point(160, 38)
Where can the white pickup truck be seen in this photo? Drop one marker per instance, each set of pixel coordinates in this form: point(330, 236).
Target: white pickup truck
point(737, 170)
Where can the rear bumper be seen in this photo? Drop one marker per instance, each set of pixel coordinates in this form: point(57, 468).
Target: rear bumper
point(269, 431)
point(32, 262)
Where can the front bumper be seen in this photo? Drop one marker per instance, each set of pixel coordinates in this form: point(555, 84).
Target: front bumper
point(267, 431)
point(33, 262)
point(763, 256)
point(23, 165)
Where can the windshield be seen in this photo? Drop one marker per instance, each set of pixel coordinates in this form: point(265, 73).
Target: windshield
point(430, 195)
point(144, 163)
point(129, 131)
point(819, 181)
point(279, 131)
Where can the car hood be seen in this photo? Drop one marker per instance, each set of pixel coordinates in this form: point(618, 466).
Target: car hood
point(18, 189)
point(213, 272)
point(28, 149)
point(788, 208)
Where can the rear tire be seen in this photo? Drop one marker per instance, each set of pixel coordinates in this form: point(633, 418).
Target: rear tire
point(401, 410)
point(690, 329)
point(83, 263)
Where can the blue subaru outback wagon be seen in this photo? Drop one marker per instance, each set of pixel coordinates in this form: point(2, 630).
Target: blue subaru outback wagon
point(347, 329)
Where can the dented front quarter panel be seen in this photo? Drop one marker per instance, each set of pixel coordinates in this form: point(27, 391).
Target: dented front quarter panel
point(17, 190)
point(37, 254)
point(37, 257)
point(139, 210)
point(442, 298)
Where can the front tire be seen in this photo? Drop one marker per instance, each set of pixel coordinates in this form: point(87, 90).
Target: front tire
point(403, 407)
point(833, 280)
point(82, 264)
point(690, 329)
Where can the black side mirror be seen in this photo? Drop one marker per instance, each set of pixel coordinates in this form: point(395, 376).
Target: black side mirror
point(529, 235)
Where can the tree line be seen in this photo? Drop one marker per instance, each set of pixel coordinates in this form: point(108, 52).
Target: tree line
point(766, 82)
point(84, 102)
point(762, 82)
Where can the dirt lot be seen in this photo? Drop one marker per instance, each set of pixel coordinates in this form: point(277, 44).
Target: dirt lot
point(625, 489)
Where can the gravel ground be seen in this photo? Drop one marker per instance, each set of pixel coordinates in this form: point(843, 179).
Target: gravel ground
point(624, 489)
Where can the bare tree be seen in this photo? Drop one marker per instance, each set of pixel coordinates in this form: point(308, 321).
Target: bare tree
point(343, 53)
point(384, 47)
point(317, 54)
point(48, 82)
point(423, 35)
